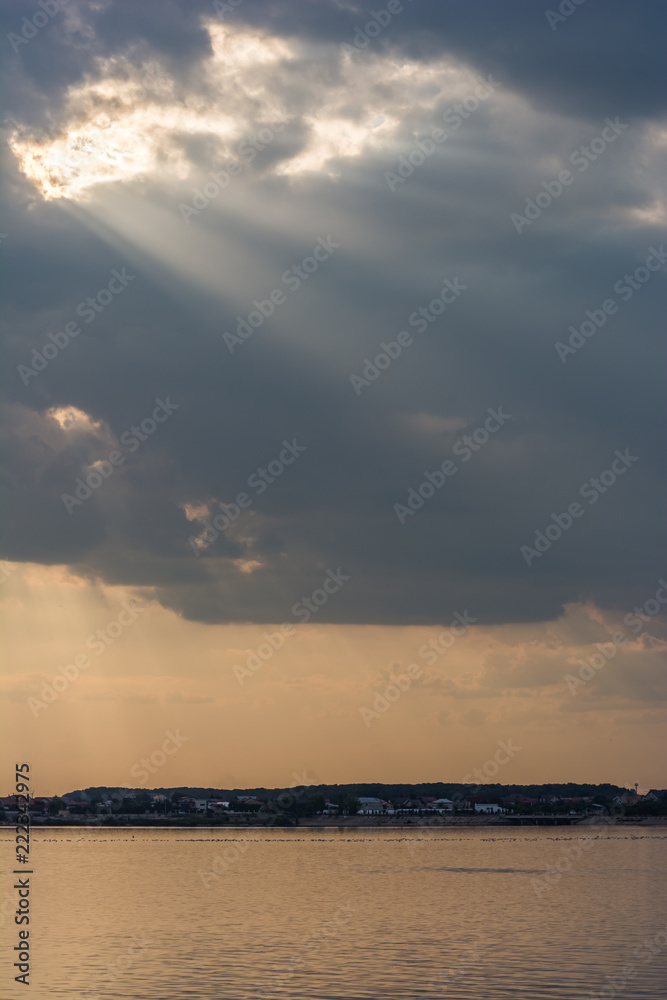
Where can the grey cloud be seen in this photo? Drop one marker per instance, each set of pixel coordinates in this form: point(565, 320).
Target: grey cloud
point(495, 346)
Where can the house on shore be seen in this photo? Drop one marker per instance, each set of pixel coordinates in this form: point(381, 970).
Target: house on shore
point(442, 805)
point(371, 806)
point(217, 805)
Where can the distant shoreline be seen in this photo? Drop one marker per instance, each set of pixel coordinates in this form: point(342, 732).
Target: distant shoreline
point(344, 822)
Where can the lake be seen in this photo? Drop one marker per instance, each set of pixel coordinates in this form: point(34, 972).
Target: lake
point(344, 913)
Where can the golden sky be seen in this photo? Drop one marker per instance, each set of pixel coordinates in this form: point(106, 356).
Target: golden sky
point(317, 145)
point(299, 713)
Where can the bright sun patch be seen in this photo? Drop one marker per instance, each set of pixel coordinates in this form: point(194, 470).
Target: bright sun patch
point(72, 419)
point(135, 122)
point(196, 512)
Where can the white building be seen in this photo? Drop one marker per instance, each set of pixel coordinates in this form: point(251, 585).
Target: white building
point(443, 805)
point(369, 806)
point(487, 807)
point(217, 805)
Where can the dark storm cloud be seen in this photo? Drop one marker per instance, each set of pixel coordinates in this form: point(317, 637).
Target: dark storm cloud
point(606, 52)
point(493, 347)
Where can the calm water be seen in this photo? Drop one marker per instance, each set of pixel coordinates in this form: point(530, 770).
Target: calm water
point(342, 914)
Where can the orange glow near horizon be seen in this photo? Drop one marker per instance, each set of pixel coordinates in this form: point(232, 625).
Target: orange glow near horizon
point(300, 713)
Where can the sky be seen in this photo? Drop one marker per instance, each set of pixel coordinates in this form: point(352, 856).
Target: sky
point(332, 389)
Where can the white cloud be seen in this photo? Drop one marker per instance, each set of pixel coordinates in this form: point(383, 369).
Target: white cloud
point(132, 122)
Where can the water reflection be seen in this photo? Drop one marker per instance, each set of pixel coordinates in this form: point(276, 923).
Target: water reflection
point(341, 914)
